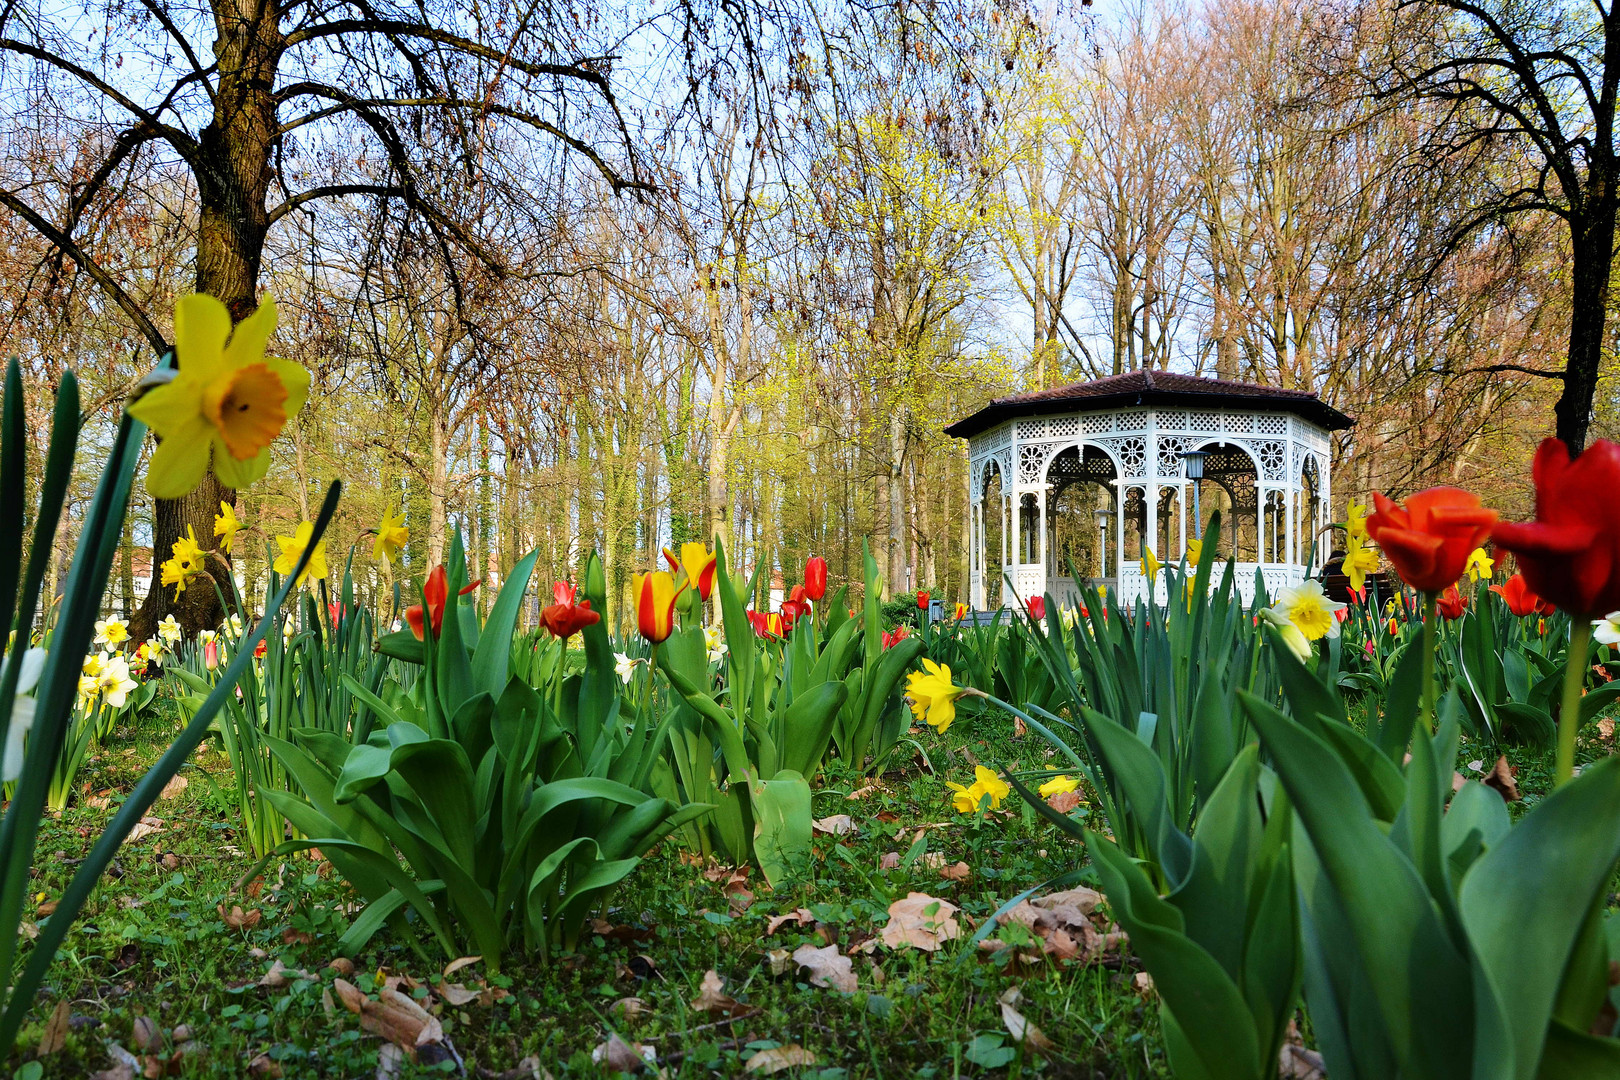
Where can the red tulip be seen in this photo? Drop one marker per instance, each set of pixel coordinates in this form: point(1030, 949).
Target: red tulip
point(1452, 603)
point(1429, 539)
point(922, 599)
point(567, 616)
point(1521, 599)
point(766, 624)
point(1570, 554)
point(259, 650)
point(1037, 607)
point(815, 578)
point(893, 637)
point(795, 609)
point(436, 592)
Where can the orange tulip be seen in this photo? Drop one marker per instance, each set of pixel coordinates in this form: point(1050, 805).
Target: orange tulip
point(1430, 538)
point(655, 605)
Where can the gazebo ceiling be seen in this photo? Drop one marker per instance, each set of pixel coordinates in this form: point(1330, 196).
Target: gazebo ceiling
point(1148, 387)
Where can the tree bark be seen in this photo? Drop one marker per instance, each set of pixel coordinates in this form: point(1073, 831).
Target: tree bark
point(1589, 308)
point(232, 166)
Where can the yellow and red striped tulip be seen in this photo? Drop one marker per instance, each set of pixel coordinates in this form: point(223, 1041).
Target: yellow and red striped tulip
point(655, 605)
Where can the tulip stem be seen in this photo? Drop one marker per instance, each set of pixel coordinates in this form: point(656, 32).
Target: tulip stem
point(1430, 645)
point(1569, 713)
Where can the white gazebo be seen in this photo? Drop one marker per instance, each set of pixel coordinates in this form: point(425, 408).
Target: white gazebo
point(1089, 475)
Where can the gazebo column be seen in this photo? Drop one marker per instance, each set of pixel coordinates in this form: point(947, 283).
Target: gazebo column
point(1150, 534)
point(1040, 550)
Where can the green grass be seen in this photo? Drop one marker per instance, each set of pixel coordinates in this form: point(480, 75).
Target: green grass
point(153, 944)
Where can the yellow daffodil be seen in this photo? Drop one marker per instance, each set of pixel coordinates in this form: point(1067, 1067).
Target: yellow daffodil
point(226, 399)
point(1355, 520)
point(186, 564)
point(967, 800)
point(1359, 561)
point(1150, 564)
point(933, 695)
point(94, 664)
point(391, 536)
point(1058, 785)
point(292, 549)
point(111, 632)
point(1195, 551)
point(226, 526)
point(1307, 608)
point(1479, 565)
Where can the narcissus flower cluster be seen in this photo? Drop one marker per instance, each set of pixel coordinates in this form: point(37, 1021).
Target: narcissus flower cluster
point(986, 785)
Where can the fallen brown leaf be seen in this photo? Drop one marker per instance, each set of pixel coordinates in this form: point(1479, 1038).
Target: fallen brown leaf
point(922, 922)
point(264, 1065)
point(827, 968)
point(1504, 778)
point(393, 1016)
point(835, 824)
point(629, 1009)
point(1142, 982)
point(622, 1056)
point(712, 999)
point(801, 916)
point(780, 961)
point(959, 871)
point(1064, 801)
point(1019, 1028)
point(890, 860)
point(457, 994)
point(54, 1037)
point(144, 828)
point(280, 976)
point(791, 1056)
point(1298, 1063)
point(46, 908)
point(456, 965)
point(174, 787)
point(237, 919)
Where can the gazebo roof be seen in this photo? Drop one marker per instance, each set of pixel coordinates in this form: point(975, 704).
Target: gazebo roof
point(1148, 387)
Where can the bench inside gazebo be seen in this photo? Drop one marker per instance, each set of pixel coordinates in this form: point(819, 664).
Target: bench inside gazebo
point(1095, 473)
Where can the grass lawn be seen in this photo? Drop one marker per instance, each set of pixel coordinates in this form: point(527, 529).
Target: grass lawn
point(154, 964)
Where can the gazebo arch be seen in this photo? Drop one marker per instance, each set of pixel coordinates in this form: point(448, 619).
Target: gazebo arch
point(1117, 449)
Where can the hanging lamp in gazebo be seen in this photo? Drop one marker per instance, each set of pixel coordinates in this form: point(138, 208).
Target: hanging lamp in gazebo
point(1095, 473)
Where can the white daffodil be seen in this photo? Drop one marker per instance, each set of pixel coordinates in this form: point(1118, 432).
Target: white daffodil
point(235, 625)
point(1307, 608)
point(115, 683)
point(715, 642)
point(1069, 616)
point(111, 632)
point(1606, 631)
point(624, 667)
point(169, 630)
point(287, 630)
point(207, 636)
point(1291, 635)
point(155, 648)
point(94, 664)
point(22, 714)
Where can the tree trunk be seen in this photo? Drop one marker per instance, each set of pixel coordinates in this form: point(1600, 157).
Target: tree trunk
point(1589, 307)
point(233, 175)
point(897, 512)
point(438, 481)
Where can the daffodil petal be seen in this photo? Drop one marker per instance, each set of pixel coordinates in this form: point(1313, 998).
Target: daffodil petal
point(251, 335)
point(295, 378)
point(239, 474)
point(179, 462)
point(201, 326)
point(172, 409)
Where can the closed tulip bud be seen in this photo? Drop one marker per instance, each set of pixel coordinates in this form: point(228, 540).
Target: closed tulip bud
point(815, 578)
point(655, 605)
point(1570, 554)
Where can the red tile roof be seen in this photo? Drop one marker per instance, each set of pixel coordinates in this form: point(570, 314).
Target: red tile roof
point(1149, 387)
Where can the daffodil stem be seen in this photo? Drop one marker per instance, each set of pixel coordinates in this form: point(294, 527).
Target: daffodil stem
point(1569, 712)
point(1430, 646)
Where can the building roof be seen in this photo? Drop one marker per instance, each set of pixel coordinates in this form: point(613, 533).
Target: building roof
point(1148, 387)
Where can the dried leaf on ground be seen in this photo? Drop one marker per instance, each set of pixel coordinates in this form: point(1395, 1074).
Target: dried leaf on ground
point(922, 922)
point(393, 1016)
point(801, 916)
point(280, 976)
point(890, 860)
point(264, 1066)
point(1505, 779)
point(1298, 1063)
point(1143, 983)
point(457, 994)
point(1019, 1028)
point(174, 787)
point(629, 1008)
point(144, 828)
point(835, 824)
point(1605, 730)
point(623, 1056)
point(237, 919)
point(826, 967)
point(791, 1056)
point(456, 965)
point(780, 961)
point(54, 1037)
point(861, 792)
point(713, 999)
point(959, 871)
point(1064, 801)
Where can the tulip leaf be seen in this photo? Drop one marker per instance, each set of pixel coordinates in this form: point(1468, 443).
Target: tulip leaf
point(492, 658)
point(1140, 775)
point(782, 826)
point(1525, 900)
